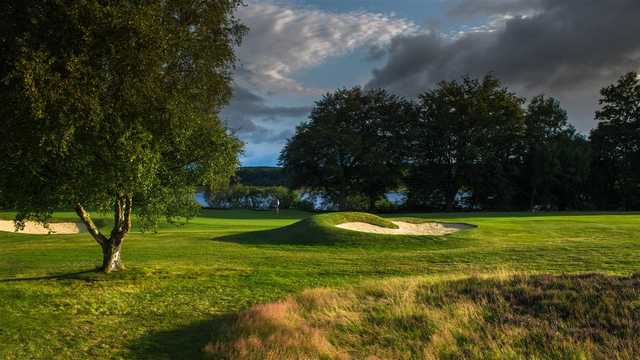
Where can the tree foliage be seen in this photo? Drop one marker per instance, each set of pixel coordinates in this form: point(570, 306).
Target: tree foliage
point(616, 145)
point(556, 161)
point(463, 139)
point(350, 145)
point(261, 176)
point(470, 143)
point(112, 105)
point(252, 197)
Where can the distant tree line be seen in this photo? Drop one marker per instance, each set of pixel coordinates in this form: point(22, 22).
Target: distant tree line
point(470, 143)
point(251, 197)
point(253, 187)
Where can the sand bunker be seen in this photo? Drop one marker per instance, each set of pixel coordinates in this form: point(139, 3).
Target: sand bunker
point(32, 227)
point(405, 228)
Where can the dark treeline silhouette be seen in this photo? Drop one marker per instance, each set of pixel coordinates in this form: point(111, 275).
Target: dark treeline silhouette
point(470, 144)
point(260, 176)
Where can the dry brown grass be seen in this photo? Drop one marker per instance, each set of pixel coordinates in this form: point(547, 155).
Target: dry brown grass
point(280, 331)
point(500, 317)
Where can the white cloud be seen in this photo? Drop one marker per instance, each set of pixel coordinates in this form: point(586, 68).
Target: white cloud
point(284, 40)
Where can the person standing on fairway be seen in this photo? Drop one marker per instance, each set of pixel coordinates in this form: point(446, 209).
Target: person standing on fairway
point(277, 206)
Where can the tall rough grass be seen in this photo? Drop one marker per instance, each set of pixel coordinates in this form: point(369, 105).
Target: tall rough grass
point(499, 317)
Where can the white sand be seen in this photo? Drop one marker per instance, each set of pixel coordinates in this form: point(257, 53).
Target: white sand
point(32, 227)
point(405, 228)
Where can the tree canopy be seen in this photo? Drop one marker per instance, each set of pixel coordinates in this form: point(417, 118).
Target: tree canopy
point(616, 145)
point(112, 105)
point(463, 139)
point(556, 159)
point(349, 146)
point(470, 143)
point(261, 176)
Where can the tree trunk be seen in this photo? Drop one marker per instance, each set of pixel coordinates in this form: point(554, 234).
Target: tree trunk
point(111, 246)
point(111, 258)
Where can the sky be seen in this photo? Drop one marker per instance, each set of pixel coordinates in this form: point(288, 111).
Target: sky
point(298, 50)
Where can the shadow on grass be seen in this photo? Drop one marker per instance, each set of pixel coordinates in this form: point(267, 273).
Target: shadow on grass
point(66, 276)
point(262, 237)
point(502, 214)
point(308, 233)
point(185, 342)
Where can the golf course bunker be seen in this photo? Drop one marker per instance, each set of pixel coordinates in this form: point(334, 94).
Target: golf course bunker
point(35, 228)
point(405, 228)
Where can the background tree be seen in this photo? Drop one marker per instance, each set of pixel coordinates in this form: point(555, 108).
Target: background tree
point(350, 145)
point(111, 105)
point(464, 139)
point(556, 160)
point(616, 145)
point(571, 186)
point(261, 176)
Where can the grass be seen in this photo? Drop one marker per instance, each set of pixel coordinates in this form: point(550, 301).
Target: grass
point(321, 230)
point(185, 283)
point(503, 317)
point(333, 219)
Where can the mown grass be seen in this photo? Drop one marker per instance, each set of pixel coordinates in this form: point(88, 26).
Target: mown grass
point(184, 282)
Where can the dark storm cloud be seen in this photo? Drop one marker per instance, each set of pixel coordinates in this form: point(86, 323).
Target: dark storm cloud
point(568, 49)
point(470, 8)
point(268, 136)
point(250, 104)
point(247, 114)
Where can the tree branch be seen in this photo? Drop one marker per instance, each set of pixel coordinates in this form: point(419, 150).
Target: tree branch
point(122, 223)
point(90, 225)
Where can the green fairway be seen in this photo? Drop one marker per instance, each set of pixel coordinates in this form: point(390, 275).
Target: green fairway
point(182, 280)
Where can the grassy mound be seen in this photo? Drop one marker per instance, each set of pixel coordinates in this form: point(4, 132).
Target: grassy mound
point(333, 219)
point(321, 230)
point(559, 317)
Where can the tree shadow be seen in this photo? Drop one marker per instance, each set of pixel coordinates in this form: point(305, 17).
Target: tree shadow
point(66, 276)
point(305, 233)
point(501, 214)
point(186, 342)
point(262, 237)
